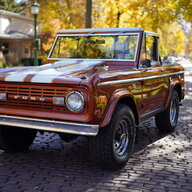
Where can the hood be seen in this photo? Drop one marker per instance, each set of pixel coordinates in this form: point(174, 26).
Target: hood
point(62, 71)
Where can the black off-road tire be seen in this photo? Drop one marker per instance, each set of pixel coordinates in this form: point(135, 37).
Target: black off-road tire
point(104, 147)
point(167, 121)
point(15, 139)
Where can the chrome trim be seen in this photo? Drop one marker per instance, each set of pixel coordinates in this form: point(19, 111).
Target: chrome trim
point(50, 125)
point(120, 81)
point(151, 33)
point(96, 34)
point(164, 75)
point(95, 30)
point(137, 79)
point(50, 52)
point(107, 34)
point(64, 59)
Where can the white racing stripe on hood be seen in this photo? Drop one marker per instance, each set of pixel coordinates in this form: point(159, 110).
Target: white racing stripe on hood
point(44, 79)
point(17, 77)
point(48, 76)
point(47, 73)
point(57, 69)
point(91, 62)
point(44, 70)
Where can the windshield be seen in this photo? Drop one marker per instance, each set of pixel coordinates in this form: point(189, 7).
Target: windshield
point(96, 47)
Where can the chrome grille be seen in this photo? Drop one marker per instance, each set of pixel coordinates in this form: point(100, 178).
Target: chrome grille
point(32, 91)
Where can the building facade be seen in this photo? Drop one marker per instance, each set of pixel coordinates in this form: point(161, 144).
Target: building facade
point(16, 39)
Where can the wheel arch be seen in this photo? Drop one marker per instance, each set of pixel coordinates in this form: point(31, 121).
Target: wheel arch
point(124, 98)
point(129, 101)
point(177, 87)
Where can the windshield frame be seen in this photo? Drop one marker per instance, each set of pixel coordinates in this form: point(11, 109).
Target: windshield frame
point(95, 34)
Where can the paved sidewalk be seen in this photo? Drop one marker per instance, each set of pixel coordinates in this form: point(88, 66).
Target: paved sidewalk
point(160, 162)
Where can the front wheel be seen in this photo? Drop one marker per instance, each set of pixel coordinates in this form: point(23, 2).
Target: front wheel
point(167, 121)
point(15, 139)
point(113, 145)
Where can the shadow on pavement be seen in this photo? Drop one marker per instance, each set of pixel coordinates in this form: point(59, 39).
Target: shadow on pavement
point(53, 165)
point(160, 162)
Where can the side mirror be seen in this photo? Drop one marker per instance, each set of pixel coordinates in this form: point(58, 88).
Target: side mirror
point(146, 63)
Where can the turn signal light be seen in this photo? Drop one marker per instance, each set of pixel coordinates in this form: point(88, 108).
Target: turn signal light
point(102, 99)
point(58, 100)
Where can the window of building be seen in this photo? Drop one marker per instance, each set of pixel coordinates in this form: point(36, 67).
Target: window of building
point(5, 47)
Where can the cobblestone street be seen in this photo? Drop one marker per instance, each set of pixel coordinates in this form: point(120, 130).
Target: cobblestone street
point(160, 162)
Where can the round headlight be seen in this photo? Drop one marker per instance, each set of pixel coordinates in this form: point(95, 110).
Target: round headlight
point(75, 101)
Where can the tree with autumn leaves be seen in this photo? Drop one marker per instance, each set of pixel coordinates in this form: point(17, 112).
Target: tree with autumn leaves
point(163, 16)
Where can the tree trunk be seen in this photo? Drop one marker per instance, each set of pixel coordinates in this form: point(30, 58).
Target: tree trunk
point(88, 23)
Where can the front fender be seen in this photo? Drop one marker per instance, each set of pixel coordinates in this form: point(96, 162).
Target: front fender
point(116, 97)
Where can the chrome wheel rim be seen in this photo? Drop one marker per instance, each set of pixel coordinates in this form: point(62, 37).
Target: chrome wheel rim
point(121, 138)
point(173, 112)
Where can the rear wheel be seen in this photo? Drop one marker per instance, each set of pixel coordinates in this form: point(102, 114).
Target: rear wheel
point(113, 145)
point(15, 139)
point(167, 121)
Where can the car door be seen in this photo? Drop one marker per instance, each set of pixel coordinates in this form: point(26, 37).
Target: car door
point(153, 86)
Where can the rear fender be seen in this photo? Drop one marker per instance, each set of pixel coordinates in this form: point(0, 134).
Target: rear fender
point(173, 86)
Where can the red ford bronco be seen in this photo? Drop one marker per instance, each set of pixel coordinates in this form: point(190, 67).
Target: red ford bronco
point(99, 83)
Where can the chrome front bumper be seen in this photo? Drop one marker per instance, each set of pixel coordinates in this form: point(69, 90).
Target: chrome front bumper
point(50, 125)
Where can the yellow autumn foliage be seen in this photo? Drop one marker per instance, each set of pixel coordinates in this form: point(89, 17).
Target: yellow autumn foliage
point(160, 16)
